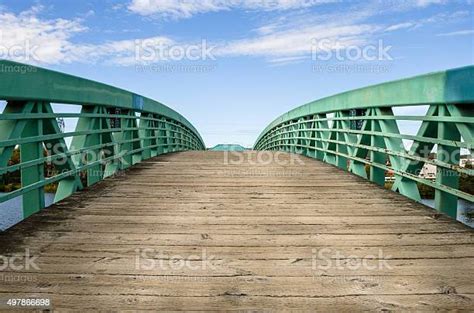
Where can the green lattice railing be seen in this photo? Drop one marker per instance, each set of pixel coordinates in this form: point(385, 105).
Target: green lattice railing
point(357, 130)
point(115, 130)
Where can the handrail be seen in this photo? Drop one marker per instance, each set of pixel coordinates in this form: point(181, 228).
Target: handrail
point(358, 129)
point(115, 129)
point(39, 84)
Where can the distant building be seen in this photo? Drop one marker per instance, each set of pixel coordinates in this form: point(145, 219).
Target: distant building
point(428, 171)
point(464, 161)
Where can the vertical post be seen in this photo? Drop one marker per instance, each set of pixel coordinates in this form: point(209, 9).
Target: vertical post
point(349, 138)
point(168, 141)
point(321, 136)
point(377, 175)
point(181, 140)
point(94, 173)
point(358, 167)
point(113, 148)
point(12, 129)
point(445, 202)
point(129, 136)
point(33, 201)
point(69, 185)
point(311, 137)
point(330, 157)
point(302, 142)
point(137, 157)
point(172, 137)
point(293, 134)
point(145, 134)
point(406, 186)
point(162, 134)
point(154, 133)
point(341, 161)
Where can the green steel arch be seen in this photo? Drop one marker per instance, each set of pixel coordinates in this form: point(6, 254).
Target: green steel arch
point(115, 129)
point(358, 129)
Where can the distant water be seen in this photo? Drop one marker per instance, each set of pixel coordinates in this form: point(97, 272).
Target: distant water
point(11, 211)
point(463, 208)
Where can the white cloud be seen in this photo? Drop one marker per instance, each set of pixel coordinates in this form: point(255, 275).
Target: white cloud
point(458, 33)
point(188, 8)
point(298, 35)
point(285, 39)
point(287, 60)
point(410, 4)
point(299, 41)
point(437, 18)
point(399, 26)
point(425, 3)
point(29, 39)
point(122, 52)
point(25, 37)
point(173, 8)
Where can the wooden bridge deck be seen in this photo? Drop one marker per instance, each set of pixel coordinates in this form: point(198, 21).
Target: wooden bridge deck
point(186, 231)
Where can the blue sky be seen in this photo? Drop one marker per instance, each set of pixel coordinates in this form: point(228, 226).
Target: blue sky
point(265, 55)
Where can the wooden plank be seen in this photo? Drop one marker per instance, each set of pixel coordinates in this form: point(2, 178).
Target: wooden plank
point(292, 234)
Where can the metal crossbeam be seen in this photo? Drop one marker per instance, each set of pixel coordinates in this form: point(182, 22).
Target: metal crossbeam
point(102, 144)
point(377, 149)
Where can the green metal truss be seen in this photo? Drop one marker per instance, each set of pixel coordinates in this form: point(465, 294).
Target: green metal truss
point(115, 130)
point(324, 129)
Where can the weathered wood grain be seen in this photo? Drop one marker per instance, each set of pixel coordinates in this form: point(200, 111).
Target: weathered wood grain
point(188, 231)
